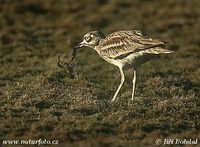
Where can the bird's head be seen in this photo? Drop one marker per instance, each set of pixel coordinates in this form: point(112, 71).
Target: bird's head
point(91, 39)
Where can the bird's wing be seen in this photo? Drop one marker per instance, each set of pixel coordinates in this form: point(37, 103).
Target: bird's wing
point(126, 42)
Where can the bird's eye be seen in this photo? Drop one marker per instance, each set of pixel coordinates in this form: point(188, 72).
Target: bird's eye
point(88, 38)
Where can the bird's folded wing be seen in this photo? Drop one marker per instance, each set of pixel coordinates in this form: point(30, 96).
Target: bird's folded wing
point(126, 42)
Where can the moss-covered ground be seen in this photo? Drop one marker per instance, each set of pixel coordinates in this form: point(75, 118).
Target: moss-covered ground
point(37, 101)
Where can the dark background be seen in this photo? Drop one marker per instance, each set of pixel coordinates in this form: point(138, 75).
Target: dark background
point(38, 101)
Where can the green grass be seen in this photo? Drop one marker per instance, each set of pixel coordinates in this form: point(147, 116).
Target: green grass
point(38, 101)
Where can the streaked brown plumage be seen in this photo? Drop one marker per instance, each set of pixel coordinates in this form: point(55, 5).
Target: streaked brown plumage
point(125, 42)
point(124, 49)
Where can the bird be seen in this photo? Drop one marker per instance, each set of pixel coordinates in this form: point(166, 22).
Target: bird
point(124, 49)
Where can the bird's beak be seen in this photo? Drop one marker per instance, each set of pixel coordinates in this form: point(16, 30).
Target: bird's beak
point(80, 44)
point(77, 46)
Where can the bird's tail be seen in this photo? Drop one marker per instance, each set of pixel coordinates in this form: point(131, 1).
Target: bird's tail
point(159, 50)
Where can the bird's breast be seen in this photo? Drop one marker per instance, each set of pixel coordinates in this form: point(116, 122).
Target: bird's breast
point(115, 62)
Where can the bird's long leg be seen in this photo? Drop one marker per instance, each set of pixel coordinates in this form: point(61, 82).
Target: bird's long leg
point(120, 85)
point(134, 82)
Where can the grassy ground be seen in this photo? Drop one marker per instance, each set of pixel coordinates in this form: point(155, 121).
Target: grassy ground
point(38, 101)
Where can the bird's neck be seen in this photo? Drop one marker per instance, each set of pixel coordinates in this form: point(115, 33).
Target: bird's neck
point(96, 48)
